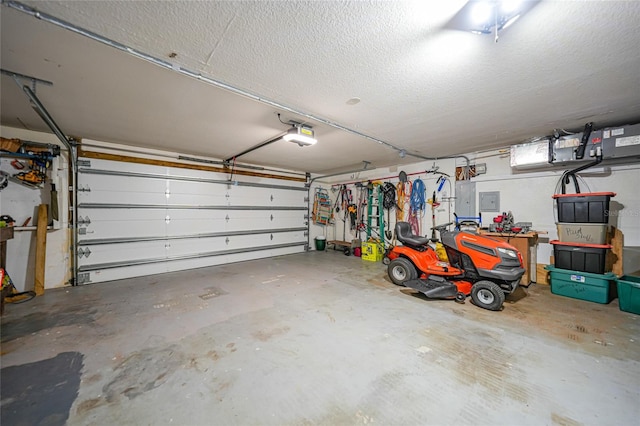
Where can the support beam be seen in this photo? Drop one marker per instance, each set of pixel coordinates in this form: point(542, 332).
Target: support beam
point(41, 249)
point(154, 162)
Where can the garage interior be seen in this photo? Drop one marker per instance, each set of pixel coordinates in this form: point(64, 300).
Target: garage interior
point(200, 205)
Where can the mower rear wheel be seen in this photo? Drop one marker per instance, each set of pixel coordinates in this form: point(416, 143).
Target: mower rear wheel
point(401, 270)
point(487, 295)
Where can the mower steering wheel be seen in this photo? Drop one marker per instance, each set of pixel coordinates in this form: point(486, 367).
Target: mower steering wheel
point(439, 228)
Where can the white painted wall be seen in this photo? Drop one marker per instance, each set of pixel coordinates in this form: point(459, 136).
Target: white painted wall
point(21, 203)
point(444, 212)
point(528, 195)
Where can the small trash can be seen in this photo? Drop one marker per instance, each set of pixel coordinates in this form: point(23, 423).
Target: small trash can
point(321, 243)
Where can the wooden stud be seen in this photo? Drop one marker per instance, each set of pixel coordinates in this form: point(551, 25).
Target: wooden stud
point(164, 163)
point(41, 249)
point(542, 275)
point(617, 244)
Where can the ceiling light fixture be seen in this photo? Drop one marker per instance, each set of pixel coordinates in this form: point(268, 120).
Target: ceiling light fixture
point(302, 135)
point(490, 16)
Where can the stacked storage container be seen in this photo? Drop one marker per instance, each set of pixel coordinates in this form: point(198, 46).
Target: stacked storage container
point(580, 253)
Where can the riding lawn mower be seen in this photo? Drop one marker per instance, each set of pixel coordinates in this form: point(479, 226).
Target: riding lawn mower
point(479, 266)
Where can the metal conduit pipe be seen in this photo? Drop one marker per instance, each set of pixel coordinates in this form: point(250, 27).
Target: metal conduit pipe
point(161, 62)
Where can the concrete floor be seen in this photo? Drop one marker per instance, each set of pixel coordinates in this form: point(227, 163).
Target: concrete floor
point(314, 338)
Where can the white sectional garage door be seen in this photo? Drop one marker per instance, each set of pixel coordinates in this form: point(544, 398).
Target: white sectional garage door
point(137, 219)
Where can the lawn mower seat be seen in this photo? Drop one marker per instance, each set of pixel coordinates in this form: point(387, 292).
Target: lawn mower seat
point(406, 237)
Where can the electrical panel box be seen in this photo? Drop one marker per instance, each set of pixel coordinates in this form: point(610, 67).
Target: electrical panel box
point(489, 201)
point(621, 142)
point(564, 148)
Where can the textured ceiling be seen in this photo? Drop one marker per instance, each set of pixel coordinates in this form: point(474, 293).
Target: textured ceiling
point(429, 90)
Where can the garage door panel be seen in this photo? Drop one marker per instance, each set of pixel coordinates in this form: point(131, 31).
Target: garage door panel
point(192, 222)
point(98, 254)
point(121, 229)
point(288, 237)
point(261, 219)
point(240, 220)
point(196, 200)
point(115, 197)
point(113, 274)
point(249, 241)
point(248, 196)
point(138, 219)
point(115, 223)
point(203, 193)
point(186, 215)
point(193, 246)
point(193, 227)
point(121, 189)
point(121, 215)
point(289, 219)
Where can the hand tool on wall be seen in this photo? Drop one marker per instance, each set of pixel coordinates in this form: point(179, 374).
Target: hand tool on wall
point(389, 201)
point(54, 202)
point(434, 204)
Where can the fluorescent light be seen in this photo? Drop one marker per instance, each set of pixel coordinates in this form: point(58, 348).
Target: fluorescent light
point(301, 135)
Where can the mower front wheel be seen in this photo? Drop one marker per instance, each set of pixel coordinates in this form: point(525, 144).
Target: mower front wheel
point(401, 270)
point(487, 295)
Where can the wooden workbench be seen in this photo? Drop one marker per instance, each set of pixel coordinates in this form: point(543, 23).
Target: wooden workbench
point(526, 244)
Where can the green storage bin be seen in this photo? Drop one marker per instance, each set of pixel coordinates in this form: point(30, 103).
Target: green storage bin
point(629, 294)
point(598, 288)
